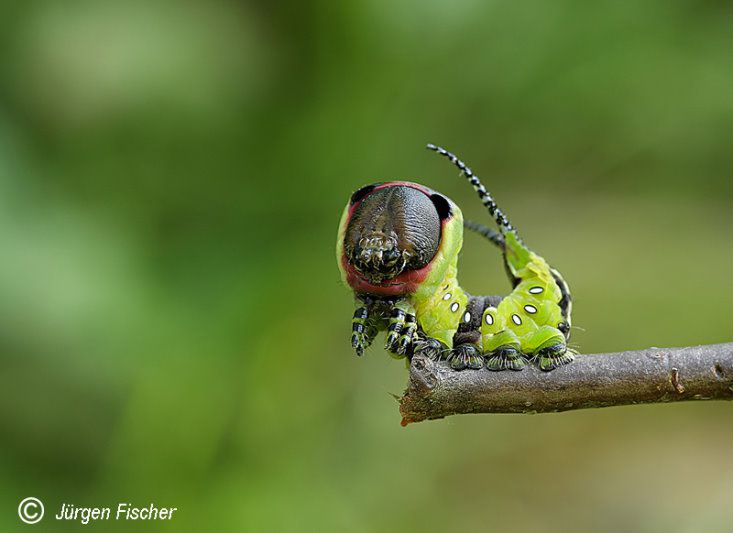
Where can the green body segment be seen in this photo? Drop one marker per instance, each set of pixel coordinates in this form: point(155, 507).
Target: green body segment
point(439, 307)
point(528, 318)
point(439, 298)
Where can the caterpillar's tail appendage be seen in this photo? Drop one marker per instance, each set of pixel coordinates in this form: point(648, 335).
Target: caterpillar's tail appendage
point(516, 254)
point(492, 235)
point(501, 220)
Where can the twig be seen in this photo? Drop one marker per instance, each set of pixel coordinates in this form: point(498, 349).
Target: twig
point(654, 375)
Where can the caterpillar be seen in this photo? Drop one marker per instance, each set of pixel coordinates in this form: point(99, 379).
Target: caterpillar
point(397, 250)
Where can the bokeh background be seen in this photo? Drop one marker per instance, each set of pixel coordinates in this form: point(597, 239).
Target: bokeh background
point(172, 324)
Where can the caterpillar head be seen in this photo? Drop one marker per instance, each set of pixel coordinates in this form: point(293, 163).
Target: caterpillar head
point(390, 235)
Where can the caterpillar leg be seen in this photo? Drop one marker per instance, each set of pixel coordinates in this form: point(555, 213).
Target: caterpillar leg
point(548, 348)
point(503, 352)
point(401, 330)
point(432, 348)
point(464, 356)
point(363, 330)
point(553, 356)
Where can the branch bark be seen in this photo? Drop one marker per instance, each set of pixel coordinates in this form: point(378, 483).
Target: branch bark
point(655, 375)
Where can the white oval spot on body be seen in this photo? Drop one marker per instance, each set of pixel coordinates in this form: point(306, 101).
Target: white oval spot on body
point(454, 306)
point(447, 296)
point(531, 309)
point(517, 320)
point(536, 290)
point(489, 319)
point(467, 317)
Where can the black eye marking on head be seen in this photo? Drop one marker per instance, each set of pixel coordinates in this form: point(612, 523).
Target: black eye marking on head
point(361, 193)
point(441, 205)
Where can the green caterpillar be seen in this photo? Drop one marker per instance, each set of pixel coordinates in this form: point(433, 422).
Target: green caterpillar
point(397, 249)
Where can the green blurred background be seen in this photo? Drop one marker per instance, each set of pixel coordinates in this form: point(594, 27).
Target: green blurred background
point(172, 324)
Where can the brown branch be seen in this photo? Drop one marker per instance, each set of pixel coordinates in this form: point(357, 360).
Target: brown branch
point(600, 380)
